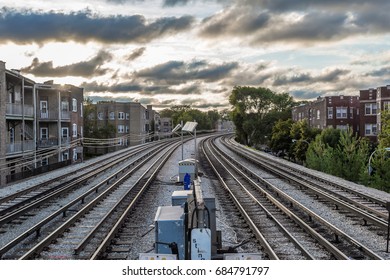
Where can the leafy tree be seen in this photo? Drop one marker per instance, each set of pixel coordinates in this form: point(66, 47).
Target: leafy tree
point(89, 117)
point(281, 139)
point(380, 163)
point(255, 110)
point(320, 154)
point(346, 158)
point(205, 120)
point(384, 135)
point(302, 134)
point(351, 155)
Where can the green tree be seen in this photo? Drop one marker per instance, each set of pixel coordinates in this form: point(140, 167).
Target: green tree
point(381, 159)
point(89, 118)
point(281, 139)
point(301, 135)
point(255, 110)
point(206, 120)
point(384, 135)
point(351, 156)
point(346, 158)
point(320, 154)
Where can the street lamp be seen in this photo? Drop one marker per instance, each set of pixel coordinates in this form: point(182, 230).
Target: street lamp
point(190, 127)
point(369, 160)
point(181, 136)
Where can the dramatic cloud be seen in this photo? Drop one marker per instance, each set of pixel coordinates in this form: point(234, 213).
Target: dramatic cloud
point(173, 52)
point(327, 77)
point(302, 22)
point(92, 67)
point(136, 53)
point(238, 21)
point(174, 72)
point(29, 26)
point(382, 72)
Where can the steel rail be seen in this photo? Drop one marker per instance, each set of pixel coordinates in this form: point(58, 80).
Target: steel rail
point(61, 229)
point(313, 215)
point(131, 150)
point(24, 206)
point(65, 208)
point(267, 247)
point(114, 230)
point(322, 179)
point(366, 216)
point(321, 240)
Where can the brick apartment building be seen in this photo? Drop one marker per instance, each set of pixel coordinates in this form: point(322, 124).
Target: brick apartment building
point(39, 125)
point(360, 113)
point(166, 127)
point(59, 121)
point(131, 122)
point(341, 112)
point(372, 103)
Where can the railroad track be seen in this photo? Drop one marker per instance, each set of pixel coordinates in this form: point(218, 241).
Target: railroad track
point(314, 232)
point(340, 194)
point(66, 213)
point(23, 201)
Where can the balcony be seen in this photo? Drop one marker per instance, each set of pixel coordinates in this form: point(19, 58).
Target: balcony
point(19, 110)
point(53, 142)
point(53, 115)
point(21, 146)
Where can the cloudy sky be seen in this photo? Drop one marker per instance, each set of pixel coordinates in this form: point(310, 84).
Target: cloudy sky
point(193, 52)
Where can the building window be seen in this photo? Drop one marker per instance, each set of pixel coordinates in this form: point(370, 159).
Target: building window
point(370, 109)
point(65, 105)
point(74, 105)
point(112, 115)
point(127, 116)
point(318, 114)
point(74, 130)
point(100, 116)
point(43, 109)
point(127, 128)
point(81, 109)
point(65, 132)
point(386, 106)
point(330, 112)
point(74, 154)
point(65, 156)
point(341, 112)
point(351, 113)
point(44, 133)
point(12, 135)
point(342, 127)
point(121, 128)
point(370, 129)
point(121, 116)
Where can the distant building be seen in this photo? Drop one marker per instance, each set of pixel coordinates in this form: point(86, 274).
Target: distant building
point(166, 127)
point(227, 126)
point(360, 113)
point(131, 124)
point(372, 103)
point(39, 125)
point(340, 112)
point(368, 118)
point(153, 122)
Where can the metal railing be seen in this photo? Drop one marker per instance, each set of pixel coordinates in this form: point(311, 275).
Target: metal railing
point(14, 109)
point(53, 115)
point(20, 146)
